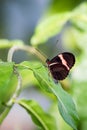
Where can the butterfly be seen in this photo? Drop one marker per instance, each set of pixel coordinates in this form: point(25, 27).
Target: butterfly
point(60, 65)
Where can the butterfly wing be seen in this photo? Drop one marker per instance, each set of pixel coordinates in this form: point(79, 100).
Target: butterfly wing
point(60, 65)
point(69, 58)
point(56, 59)
point(58, 71)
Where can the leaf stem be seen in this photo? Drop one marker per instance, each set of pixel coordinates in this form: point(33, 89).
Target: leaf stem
point(29, 49)
point(15, 95)
point(9, 59)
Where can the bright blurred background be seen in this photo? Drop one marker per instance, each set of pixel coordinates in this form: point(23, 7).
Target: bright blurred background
point(18, 20)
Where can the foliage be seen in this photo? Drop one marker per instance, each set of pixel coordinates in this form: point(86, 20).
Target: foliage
point(75, 39)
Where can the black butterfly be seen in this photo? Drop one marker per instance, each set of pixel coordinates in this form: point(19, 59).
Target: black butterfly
point(60, 65)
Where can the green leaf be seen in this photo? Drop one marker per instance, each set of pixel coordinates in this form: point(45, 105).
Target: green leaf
point(80, 96)
point(79, 18)
point(49, 27)
point(63, 6)
point(35, 66)
point(6, 77)
point(61, 124)
point(40, 118)
point(4, 43)
point(66, 107)
point(81, 9)
point(27, 78)
point(65, 103)
point(80, 22)
point(4, 114)
point(8, 83)
point(76, 40)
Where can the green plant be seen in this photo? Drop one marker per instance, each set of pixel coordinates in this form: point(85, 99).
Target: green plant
point(11, 85)
point(75, 39)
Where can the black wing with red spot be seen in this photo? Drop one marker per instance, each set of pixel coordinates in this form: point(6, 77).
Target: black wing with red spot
point(60, 65)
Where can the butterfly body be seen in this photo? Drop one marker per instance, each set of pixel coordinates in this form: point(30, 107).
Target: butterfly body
point(60, 65)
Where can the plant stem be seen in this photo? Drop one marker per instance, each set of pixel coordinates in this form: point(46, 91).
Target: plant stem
point(15, 95)
point(9, 59)
point(25, 48)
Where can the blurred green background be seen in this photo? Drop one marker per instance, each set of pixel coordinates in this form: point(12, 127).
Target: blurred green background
point(52, 26)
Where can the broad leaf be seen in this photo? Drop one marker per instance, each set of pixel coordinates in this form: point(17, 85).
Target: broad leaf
point(35, 66)
point(40, 118)
point(65, 103)
point(79, 18)
point(8, 83)
point(49, 27)
point(4, 43)
point(61, 124)
point(7, 86)
point(27, 78)
point(58, 6)
point(4, 114)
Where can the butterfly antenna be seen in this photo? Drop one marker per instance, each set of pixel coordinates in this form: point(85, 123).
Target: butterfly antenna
point(41, 53)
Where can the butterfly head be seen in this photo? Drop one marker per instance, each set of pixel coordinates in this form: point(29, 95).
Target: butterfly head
point(48, 61)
